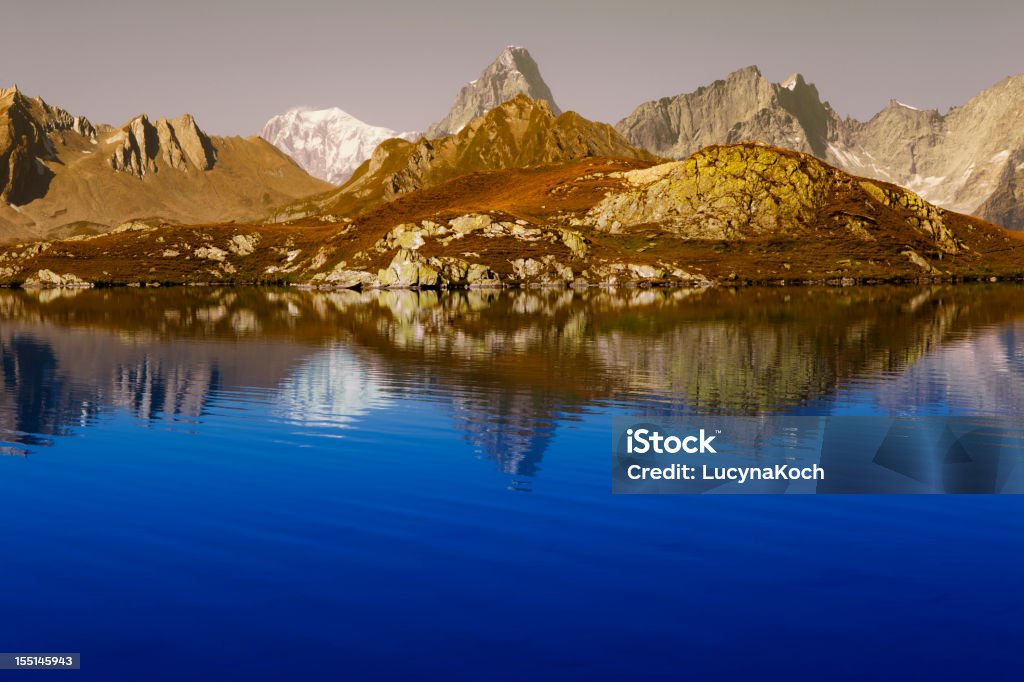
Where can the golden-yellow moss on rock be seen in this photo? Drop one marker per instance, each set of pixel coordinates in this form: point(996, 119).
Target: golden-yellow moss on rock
point(726, 192)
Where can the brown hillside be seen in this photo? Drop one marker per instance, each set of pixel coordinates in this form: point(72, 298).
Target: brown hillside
point(62, 176)
point(517, 134)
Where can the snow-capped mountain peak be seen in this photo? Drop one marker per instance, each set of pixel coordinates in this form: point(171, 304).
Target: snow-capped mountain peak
point(328, 143)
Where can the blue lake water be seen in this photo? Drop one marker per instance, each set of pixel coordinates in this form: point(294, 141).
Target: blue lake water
point(275, 484)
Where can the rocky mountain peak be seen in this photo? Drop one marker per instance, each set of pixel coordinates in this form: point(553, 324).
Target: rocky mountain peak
point(512, 54)
point(895, 105)
point(29, 129)
point(513, 72)
point(796, 87)
point(61, 176)
point(794, 81)
point(179, 142)
point(816, 122)
point(751, 72)
point(743, 106)
point(48, 118)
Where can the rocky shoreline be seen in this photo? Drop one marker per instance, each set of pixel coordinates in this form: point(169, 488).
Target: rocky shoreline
point(47, 279)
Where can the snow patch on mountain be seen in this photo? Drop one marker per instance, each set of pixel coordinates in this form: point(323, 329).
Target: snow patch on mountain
point(328, 143)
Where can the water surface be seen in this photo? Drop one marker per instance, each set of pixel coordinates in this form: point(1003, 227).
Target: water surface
point(275, 484)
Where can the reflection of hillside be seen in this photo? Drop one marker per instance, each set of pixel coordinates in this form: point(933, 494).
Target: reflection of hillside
point(954, 375)
point(717, 350)
point(36, 400)
point(506, 365)
point(68, 357)
point(513, 363)
point(768, 350)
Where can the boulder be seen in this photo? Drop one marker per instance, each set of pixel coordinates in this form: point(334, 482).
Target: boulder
point(210, 253)
point(919, 261)
point(408, 269)
point(350, 279)
point(410, 240)
point(480, 276)
point(470, 223)
point(575, 242)
point(244, 244)
point(48, 279)
point(546, 270)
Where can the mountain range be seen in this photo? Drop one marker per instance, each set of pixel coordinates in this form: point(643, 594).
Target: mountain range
point(970, 159)
point(743, 213)
point(330, 143)
point(60, 175)
point(744, 180)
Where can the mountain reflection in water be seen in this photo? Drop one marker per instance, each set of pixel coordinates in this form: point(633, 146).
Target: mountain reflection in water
point(508, 368)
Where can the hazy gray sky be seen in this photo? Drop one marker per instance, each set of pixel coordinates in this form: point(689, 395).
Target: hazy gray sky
point(400, 64)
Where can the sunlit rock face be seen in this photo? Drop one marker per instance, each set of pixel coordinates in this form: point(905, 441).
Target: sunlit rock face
point(969, 159)
point(737, 192)
point(178, 143)
point(513, 73)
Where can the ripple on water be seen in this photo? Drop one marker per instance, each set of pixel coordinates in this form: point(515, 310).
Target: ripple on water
point(347, 475)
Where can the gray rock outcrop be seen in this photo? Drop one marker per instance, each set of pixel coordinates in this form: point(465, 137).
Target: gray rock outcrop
point(744, 106)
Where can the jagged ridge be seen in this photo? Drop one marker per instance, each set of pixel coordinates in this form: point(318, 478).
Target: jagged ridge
point(25, 126)
point(967, 160)
point(60, 175)
point(178, 141)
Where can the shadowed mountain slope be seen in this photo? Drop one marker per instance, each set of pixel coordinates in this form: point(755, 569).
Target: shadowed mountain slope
point(60, 175)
